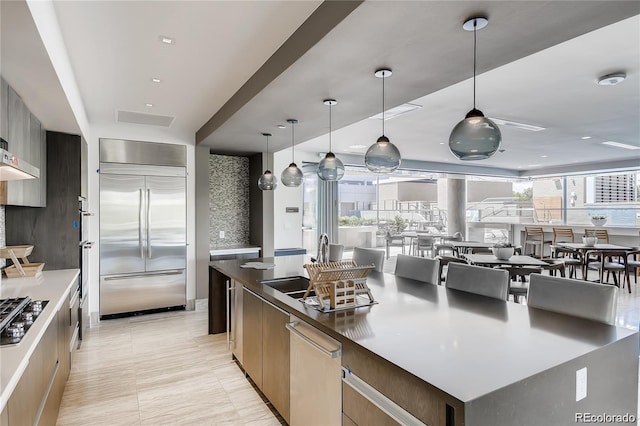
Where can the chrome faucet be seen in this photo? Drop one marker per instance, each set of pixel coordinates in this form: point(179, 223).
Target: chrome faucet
point(323, 249)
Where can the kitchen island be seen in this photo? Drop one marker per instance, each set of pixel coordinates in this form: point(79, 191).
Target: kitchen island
point(30, 356)
point(454, 358)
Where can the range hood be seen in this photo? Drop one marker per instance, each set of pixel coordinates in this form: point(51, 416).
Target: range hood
point(12, 168)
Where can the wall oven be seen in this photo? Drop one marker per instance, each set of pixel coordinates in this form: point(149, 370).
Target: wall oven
point(84, 246)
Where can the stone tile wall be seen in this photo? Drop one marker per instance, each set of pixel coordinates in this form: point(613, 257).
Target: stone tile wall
point(228, 200)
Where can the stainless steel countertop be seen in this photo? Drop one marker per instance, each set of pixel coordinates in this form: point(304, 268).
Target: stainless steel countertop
point(464, 344)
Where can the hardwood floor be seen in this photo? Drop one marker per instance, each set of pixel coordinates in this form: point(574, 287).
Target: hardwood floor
point(159, 369)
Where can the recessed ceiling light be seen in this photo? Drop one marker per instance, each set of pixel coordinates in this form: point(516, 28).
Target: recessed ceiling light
point(522, 126)
point(543, 156)
point(156, 80)
point(441, 143)
point(148, 105)
point(620, 145)
point(281, 126)
point(394, 112)
point(585, 137)
point(166, 40)
point(612, 79)
point(357, 146)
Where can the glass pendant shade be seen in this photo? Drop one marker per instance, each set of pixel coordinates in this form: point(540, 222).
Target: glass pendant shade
point(475, 138)
point(291, 176)
point(330, 168)
point(382, 156)
point(267, 181)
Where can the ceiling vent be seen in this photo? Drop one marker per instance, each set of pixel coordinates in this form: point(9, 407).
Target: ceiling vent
point(140, 118)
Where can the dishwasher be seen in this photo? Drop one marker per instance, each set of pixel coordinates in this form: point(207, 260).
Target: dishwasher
point(315, 376)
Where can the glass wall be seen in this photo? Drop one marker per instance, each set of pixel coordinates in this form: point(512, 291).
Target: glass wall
point(370, 206)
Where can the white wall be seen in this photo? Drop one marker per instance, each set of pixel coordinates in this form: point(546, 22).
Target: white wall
point(287, 227)
point(140, 133)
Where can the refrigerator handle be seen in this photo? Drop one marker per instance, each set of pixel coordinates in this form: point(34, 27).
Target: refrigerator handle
point(140, 225)
point(148, 223)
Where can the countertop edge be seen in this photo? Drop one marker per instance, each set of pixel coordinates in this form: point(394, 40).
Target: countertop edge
point(34, 339)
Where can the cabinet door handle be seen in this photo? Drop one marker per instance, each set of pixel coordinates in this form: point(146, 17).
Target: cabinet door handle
point(140, 225)
point(227, 296)
point(372, 395)
point(291, 326)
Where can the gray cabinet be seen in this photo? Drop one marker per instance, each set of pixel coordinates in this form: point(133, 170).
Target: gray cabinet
point(266, 349)
point(28, 400)
point(37, 396)
point(252, 336)
point(235, 315)
point(275, 357)
point(53, 230)
point(25, 136)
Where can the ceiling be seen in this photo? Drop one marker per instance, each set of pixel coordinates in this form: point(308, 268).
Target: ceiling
point(240, 68)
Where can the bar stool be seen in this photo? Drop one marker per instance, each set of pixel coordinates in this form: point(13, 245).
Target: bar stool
point(534, 237)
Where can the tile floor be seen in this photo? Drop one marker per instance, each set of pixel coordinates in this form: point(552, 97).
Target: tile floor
point(159, 369)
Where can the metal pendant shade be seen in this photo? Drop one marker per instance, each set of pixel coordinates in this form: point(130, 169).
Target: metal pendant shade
point(382, 156)
point(267, 182)
point(476, 137)
point(330, 168)
point(292, 176)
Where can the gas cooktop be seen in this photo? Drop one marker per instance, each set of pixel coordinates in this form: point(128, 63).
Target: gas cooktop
point(17, 315)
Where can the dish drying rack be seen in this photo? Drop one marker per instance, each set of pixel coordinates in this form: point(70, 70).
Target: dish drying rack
point(339, 283)
point(24, 269)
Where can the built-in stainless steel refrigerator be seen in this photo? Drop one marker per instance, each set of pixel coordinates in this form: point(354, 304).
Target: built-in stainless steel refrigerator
point(142, 237)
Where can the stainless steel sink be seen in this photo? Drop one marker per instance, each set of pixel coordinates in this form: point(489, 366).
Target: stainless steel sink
point(291, 286)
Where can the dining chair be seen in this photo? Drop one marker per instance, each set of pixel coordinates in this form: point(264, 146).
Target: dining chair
point(562, 235)
point(393, 241)
point(609, 261)
point(418, 268)
point(445, 246)
point(480, 280)
point(443, 262)
point(578, 298)
point(534, 238)
point(424, 243)
point(335, 252)
point(633, 263)
point(367, 256)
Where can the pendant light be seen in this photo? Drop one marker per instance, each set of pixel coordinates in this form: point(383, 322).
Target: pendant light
point(292, 175)
point(476, 137)
point(382, 156)
point(330, 168)
point(267, 181)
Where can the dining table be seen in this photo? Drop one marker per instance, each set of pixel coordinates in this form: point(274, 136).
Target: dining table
point(582, 250)
point(491, 260)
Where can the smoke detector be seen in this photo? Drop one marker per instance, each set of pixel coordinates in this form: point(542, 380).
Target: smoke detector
point(612, 79)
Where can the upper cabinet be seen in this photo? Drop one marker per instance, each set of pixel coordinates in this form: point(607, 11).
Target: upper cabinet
point(26, 137)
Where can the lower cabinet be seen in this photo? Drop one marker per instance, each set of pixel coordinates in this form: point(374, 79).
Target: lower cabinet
point(375, 391)
point(36, 398)
point(266, 349)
